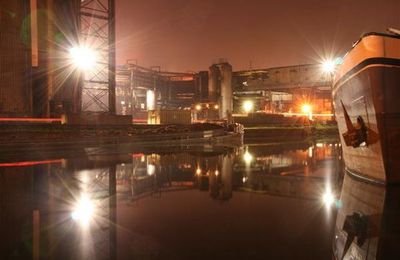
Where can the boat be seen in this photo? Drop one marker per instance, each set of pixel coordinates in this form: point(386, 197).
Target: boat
point(366, 96)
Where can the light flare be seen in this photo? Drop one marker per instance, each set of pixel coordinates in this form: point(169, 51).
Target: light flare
point(248, 106)
point(83, 58)
point(328, 198)
point(83, 211)
point(247, 157)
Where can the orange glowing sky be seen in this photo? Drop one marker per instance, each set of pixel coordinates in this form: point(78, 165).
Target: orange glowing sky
point(188, 35)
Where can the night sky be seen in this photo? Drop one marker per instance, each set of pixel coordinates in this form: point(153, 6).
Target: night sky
point(188, 35)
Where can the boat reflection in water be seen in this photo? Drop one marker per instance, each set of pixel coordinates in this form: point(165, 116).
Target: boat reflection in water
point(367, 225)
point(162, 205)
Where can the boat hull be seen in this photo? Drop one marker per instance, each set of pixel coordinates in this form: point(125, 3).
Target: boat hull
point(368, 86)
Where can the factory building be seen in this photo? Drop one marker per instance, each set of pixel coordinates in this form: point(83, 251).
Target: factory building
point(222, 93)
point(37, 78)
point(31, 34)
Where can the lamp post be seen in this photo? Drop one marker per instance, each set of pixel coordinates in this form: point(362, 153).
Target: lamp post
point(83, 59)
point(248, 106)
point(329, 67)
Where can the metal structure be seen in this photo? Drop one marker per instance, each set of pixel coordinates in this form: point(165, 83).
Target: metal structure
point(173, 89)
point(283, 79)
point(282, 89)
point(97, 32)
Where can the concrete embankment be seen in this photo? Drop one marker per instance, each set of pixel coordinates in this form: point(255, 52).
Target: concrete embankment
point(39, 137)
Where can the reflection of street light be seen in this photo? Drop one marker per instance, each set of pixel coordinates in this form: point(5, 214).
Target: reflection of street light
point(151, 169)
point(328, 198)
point(83, 57)
point(248, 106)
point(83, 211)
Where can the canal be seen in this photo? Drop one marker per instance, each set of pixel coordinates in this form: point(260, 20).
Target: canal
point(259, 200)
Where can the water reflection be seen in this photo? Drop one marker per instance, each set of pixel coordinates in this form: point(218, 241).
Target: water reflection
point(69, 207)
point(259, 168)
point(367, 225)
point(298, 170)
point(53, 210)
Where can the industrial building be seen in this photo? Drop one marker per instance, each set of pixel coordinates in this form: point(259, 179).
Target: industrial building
point(41, 41)
point(59, 58)
point(220, 92)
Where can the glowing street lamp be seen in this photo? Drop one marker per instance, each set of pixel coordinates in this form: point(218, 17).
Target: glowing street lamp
point(247, 157)
point(329, 66)
point(307, 109)
point(83, 58)
point(248, 106)
point(198, 171)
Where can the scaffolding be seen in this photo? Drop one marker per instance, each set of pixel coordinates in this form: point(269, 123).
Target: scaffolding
point(97, 31)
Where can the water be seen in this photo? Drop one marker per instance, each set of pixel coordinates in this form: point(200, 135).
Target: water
point(269, 201)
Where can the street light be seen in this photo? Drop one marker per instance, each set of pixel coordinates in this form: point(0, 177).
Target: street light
point(247, 157)
point(248, 106)
point(328, 66)
point(83, 58)
point(307, 109)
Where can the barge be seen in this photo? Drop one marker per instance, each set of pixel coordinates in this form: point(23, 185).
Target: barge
point(366, 93)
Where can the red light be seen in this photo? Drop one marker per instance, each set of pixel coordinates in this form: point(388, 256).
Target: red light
point(29, 163)
point(137, 155)
point(29, 119)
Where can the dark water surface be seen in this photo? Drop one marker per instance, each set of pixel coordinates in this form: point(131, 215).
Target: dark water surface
point(258, 201)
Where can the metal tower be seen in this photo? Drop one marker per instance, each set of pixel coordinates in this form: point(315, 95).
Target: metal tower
point(97, 32)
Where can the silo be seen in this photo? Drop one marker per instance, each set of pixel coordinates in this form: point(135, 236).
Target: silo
point(225, 98)
point(213, 82)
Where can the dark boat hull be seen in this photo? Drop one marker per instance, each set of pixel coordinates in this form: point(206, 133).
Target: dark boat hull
point(368, 86)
